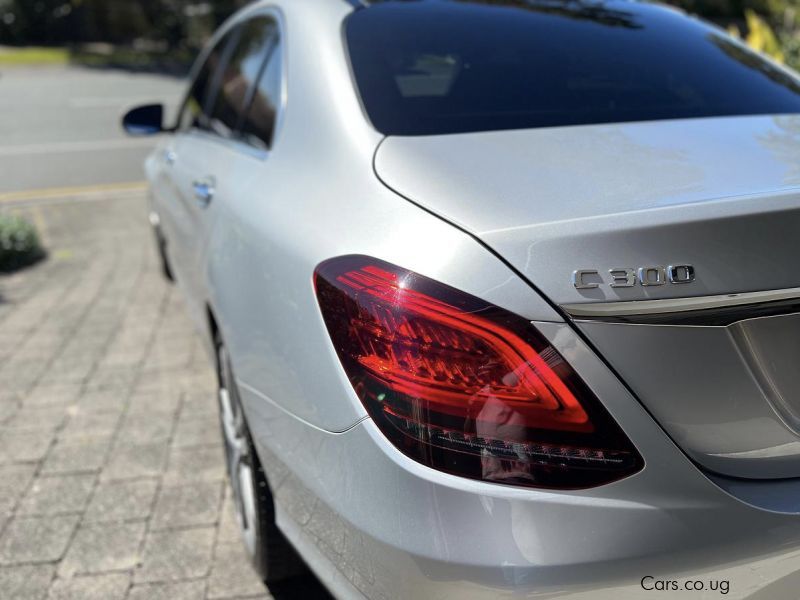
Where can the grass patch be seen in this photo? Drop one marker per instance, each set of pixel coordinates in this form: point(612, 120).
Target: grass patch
point(19, 243)
point(113, 57)
point(177, 62)
point(31, 56)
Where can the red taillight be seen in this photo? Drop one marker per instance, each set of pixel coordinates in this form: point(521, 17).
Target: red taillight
point(464, 386)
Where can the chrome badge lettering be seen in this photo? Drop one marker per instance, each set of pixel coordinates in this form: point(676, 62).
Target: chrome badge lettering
point(624, 277)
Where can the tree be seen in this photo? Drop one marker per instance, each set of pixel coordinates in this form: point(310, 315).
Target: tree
point(59, 22)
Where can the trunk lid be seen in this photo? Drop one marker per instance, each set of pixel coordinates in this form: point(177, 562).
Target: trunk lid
point(719, 194)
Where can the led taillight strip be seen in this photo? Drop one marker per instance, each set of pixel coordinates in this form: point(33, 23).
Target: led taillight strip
point(464, 386)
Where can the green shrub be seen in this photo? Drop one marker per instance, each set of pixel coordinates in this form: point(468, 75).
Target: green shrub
point(19, 243)
point(761, 37)
point(791, 47)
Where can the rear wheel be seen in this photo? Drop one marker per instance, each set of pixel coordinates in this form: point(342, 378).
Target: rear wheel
point(166, 269)
point(268, 549)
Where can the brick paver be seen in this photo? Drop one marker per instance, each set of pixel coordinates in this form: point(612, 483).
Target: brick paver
point(111, 469)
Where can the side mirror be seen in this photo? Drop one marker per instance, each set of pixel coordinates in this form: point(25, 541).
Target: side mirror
point(144, 120)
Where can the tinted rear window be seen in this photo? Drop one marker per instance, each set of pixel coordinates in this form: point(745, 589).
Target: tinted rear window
point(435, 67)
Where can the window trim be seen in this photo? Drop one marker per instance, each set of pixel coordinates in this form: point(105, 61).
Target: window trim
point(235, 142)
point(195, 71)
point(227, 53)
point(251, 93)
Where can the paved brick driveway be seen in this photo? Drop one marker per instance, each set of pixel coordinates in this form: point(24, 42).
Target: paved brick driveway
point(111, 472)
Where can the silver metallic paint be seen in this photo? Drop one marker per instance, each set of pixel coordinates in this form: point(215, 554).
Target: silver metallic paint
point(721, 194)
point(392, 528)
point(674, 306)
point(728, 395)
point(373, 523)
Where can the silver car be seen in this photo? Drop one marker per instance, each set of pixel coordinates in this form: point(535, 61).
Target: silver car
point(503, 295)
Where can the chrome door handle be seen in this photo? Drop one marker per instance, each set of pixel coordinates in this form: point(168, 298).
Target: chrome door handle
point(204, 190)
point(170, 157)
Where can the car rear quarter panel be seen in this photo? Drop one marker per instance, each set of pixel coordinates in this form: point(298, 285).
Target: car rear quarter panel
point(315, 196)
point(393, 528)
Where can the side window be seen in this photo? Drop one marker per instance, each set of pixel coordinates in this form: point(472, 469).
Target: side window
point(193, 111)
point(239, 74)
point(259, 123)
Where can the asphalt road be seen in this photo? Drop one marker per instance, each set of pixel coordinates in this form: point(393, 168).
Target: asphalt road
point(59, 127)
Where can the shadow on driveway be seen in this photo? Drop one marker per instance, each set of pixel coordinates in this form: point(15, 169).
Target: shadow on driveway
point(306, 587)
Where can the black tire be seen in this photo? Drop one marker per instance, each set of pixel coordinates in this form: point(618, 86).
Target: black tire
point(166, 269)
point(276, 559)
point(272, 555)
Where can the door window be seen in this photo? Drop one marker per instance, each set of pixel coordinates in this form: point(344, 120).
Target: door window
point(193, 112)
point(258, 125)
point(237, 78)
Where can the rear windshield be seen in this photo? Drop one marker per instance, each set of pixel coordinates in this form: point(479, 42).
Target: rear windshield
point(434, 67)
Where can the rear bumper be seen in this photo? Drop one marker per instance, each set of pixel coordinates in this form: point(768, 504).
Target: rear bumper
point(388, 530)
point(374, 523)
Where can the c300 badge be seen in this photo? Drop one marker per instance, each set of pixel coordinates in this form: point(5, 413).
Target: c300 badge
point(623, 277)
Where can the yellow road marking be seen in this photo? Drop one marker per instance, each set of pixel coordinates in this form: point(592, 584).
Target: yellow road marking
point(62, 192)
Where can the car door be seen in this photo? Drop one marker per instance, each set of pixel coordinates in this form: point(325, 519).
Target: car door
point(175, 168)
point(204, 161)
point(242, 258)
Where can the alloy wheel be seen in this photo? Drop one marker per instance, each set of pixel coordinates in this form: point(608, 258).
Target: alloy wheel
point(238, 454)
